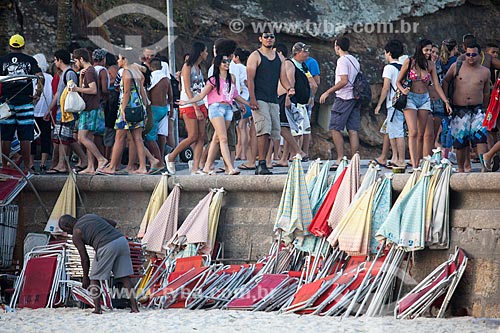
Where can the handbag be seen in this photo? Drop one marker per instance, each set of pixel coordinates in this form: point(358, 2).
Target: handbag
point(135, 114)
point(399, 99)
point(236, 111)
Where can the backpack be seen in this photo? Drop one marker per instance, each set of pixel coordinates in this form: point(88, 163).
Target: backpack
point(65, 81)
point(451, 85)
point(302, 88)
point(361, 88)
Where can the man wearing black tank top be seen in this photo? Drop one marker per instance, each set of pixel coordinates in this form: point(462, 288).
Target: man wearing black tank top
point(265, 68)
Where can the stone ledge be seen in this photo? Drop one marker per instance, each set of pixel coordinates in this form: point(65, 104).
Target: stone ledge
point(471, 182)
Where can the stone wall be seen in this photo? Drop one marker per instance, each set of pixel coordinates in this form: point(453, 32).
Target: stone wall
point(250, 206)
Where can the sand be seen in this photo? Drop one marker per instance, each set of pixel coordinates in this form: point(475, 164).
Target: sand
point(181, 320)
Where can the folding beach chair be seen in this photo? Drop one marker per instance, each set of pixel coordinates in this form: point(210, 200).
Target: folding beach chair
point(176, 291)
point(435, 290)
point(218, 289)
point(261, 295)
point(39, 277)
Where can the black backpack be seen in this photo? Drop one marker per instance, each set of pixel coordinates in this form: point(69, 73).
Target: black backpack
point(302, 88)
point(361, 88)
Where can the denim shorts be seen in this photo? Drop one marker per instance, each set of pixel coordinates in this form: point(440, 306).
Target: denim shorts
point(438, 108)
point(418, 101)
point(220, 110)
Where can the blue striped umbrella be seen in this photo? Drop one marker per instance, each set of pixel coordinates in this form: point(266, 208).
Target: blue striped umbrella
point(320, 186)
point(405, 224)
point(380, 209)
point(294, 212)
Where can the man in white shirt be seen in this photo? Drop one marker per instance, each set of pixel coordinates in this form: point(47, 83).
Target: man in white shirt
point(394, 132)
point(346, 109)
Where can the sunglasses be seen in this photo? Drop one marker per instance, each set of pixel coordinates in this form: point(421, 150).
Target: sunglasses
point(472, 55)
point(226, 61)
point(271, 36)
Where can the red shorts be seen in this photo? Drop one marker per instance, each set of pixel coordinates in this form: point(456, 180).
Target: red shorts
point(190, 113)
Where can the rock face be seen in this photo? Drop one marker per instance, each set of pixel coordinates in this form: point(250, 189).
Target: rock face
point(368, 24)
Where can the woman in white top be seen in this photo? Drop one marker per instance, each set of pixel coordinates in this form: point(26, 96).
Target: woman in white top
point(40, 109)
point(195, 115)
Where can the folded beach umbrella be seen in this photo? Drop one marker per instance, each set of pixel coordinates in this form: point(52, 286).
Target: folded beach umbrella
point(434, 179)
point(294, 213)
point(408, 186)
point(320, 187)
point(347, 191)
point(65, 204)
point(380, 209)
point(352, 233)
point(213, 219)
point(312, 173)
point(319, 225)
point(439, 230)
point(405, 224)
point(368, 179)
point(156, 201)
point(342, 165)
point(194, 229)
point(163, 227)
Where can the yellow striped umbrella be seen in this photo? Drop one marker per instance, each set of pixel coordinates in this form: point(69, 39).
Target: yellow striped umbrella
point(157, 199)
point(213, 219)
point(353, 231)
point(65, 204)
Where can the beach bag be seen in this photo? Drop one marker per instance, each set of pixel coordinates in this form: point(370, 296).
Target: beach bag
point(490, 119)
point(73, 103)
point(361, 88)
point(294, 117)
point(399, 99)
point(135, 114)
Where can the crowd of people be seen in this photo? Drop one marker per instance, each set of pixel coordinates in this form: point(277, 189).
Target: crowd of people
point(251, 106)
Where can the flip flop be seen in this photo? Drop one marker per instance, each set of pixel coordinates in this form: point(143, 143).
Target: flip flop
point(381, 164)
point(220, 170)
point(56, 172)
point(102, 172)
point(156, 171)
point(334, 167)
point(486, 164)
point(244, 167)
point(496, 163)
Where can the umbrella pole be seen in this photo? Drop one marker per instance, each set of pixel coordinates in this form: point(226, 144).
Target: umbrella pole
point(315, 263)
point(277, 252)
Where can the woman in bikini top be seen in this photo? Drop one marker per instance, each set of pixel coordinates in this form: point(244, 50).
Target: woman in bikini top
point(415, 77)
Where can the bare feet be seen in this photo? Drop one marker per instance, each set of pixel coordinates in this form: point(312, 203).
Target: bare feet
point(102, 163)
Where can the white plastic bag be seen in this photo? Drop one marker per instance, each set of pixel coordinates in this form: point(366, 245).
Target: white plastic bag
point(5, 111)
point(74, 102)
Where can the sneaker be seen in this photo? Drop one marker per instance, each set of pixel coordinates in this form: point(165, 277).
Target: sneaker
point(262, 170)
point(170, 165)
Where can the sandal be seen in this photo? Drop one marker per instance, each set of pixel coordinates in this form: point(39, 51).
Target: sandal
point(233, 172)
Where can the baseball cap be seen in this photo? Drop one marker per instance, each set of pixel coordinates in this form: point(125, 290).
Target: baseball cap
point(99, 54)
point(16, 41)
point(299, 46)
